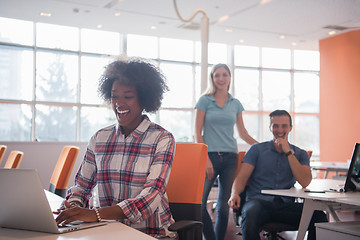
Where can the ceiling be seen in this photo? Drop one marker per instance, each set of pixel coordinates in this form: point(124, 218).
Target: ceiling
point(296, 24)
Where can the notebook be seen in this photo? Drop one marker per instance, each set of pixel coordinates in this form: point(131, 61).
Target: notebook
point(24, 205)
point(352, 182)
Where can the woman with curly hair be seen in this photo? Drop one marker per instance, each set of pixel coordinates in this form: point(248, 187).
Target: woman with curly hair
point(129, 161)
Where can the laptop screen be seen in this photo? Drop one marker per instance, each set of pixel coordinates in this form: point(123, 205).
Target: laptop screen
point(352, 182)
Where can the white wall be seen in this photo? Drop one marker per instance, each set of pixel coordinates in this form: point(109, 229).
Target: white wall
point(43, 157)
point(243, 147)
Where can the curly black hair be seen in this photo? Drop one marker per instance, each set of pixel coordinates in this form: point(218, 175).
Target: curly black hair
point(148, 80)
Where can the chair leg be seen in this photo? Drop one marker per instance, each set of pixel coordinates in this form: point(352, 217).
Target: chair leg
point(273, 236)
point(278, 236)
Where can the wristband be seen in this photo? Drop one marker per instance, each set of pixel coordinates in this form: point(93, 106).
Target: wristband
point(290, 152)
point(97, 215)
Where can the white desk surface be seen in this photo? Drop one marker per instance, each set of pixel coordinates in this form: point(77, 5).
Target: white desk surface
point(315, 185)
point(113, 230)
point(334, 166)
point(330, 167)
point(328, 201)
point(352, 198)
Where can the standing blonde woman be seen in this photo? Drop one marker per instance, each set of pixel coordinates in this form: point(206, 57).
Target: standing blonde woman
point(216, 114)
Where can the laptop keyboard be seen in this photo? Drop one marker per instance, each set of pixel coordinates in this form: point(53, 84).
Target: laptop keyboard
point(68, 225)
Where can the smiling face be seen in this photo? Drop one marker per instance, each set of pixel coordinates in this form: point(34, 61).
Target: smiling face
point(125, 104)
point(221, 79)
point(280, 126)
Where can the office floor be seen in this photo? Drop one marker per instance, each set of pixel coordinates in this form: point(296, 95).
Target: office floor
point(232, 229)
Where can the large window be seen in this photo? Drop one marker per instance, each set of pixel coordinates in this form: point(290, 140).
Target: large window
point(267, 80)
point(59, 101)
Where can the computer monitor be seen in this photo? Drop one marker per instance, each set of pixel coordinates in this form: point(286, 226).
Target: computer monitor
point(352, 182)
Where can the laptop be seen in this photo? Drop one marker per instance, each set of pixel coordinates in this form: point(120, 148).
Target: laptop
point(352, 182)
point(24, 205)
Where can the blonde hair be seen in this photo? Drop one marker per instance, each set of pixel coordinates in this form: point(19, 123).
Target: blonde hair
point(211, 88)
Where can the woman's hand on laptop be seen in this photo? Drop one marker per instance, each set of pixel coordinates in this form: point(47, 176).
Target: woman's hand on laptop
point(68, 213)
point(66, 204)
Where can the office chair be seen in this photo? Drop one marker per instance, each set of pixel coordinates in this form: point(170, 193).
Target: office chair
point(309, 153)
point(63, 169)
point(273, 229)
point(2, 152)
point(185, 189)
point(14, 159)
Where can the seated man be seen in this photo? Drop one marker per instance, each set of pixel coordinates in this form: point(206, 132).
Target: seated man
point(274, 164)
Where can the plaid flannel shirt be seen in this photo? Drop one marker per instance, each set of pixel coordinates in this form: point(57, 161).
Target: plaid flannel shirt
point(131, 172)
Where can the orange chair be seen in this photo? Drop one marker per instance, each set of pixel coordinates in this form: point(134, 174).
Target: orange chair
point(64, 166)
point(185, 189)
point(14, 159)
point(2, 152)
point(309, 152)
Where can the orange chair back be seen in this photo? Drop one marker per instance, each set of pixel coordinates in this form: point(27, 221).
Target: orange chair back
point(2, 152)
point(14, 159)
point(63, 169)
point(187, 175)
point(185, 189)
point(309, 152)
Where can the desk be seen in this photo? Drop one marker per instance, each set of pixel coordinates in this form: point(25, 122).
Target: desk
point(330, 166)
point(336, 231)
point(113, 230)
point(328, 201)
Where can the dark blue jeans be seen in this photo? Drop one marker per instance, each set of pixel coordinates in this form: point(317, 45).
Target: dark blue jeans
point(258, 212)
point(225, 165)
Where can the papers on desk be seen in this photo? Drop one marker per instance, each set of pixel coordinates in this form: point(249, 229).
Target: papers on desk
point(319, 188)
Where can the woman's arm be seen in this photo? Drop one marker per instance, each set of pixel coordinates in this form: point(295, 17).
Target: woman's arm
point(85, 178)
point(199, 123)
point(72, 213)
point(242, 131)
point(75, 208)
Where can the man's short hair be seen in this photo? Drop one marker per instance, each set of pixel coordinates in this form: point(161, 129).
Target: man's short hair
point(281, 113)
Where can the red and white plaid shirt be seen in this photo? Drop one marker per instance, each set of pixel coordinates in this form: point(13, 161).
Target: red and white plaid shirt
point(131, 172)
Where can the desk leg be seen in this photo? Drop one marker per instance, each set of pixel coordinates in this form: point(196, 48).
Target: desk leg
point(331, 211)
point(309, 207)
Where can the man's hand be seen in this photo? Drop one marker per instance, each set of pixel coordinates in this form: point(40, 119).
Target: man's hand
point(283, 143)
point(234, 201)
